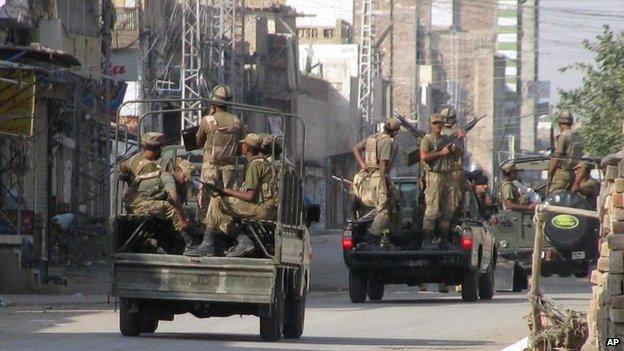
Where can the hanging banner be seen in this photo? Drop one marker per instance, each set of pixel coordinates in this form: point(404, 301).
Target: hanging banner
point(17, 102)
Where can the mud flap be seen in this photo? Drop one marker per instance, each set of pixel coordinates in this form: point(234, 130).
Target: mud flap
point(504, 274)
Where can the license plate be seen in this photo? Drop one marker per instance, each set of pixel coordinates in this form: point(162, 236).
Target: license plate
point(418, 263)
point(578, 255)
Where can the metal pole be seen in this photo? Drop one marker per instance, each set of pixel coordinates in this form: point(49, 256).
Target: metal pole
point(536, 269)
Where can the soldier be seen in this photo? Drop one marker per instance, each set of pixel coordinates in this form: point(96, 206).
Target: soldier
point(568, 151)
point(443, 183)
point(219, 133)
point(257, 199)
point(380, 152)
point(584, 184)
point(510, 196)
point(152, 191)
point(484, 200)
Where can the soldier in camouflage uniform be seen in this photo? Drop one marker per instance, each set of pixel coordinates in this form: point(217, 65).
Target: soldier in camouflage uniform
point(153, 192)
point(256, 199)
point(568, 151)
point(218, 133)
point(442, 183)
point(509, 194)
point(380, 153)
point(584, 184)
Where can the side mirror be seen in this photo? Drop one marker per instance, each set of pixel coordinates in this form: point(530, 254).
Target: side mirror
point(313, 214)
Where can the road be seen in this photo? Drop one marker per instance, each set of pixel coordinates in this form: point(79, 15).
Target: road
point(404, 320)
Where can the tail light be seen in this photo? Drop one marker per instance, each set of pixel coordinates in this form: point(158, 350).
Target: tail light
point(466, 240)
point(347, 240)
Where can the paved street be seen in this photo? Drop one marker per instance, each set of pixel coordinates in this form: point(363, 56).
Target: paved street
point(404, 320)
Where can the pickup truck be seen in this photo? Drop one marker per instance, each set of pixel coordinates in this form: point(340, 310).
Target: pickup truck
point(272, 284)
point(470, 260)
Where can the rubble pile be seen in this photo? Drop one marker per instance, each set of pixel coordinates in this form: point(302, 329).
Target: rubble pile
point(606, 309)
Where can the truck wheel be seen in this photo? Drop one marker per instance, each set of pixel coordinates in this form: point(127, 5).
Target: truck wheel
point(148, 324)
point(128, 319)
point(375, 289)
point(486, 286)
point(272, 325)
point(470, 285)
point(294, 317)
point(357, 287)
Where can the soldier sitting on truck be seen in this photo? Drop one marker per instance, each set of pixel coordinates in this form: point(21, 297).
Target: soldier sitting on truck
point(484, 200)
point(510, 196)
point(153, 192)
point(256, 199)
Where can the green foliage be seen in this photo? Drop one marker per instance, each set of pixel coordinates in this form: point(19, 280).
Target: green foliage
point(599, 102)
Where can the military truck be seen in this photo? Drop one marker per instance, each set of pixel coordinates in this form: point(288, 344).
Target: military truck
point(470, 260)
point(571, 245)
point(272, 284)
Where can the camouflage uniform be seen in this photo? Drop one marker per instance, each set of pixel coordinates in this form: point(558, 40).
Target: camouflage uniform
point(221, 131)
point(443, 190)
point(258, 175)
point(148, 193)
point(378, 147)
point(509, 191)
point(589, 188)
point(569, 150)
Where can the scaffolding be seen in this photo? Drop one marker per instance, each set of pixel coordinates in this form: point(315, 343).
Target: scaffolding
point(191, 61)
point(368, 64)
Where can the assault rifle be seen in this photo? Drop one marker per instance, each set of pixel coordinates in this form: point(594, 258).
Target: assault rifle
point(452, 139)
point(413, 153)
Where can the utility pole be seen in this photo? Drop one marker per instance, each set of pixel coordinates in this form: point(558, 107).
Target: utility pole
point(366, 66)
point(528, 73)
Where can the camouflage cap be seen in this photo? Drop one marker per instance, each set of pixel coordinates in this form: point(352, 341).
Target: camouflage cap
point(565, 117)
point(252, 139)
point(186, 167)
point(152, 139)
point(393, 123)
point(436, 117)
point(509, 167)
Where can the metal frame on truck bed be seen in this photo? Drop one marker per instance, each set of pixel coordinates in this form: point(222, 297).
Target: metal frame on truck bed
point(272, 286)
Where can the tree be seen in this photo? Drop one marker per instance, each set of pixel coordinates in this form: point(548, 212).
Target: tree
point(599, 102)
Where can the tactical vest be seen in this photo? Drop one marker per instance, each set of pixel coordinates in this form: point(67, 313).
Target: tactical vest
point(372, 157)
point(222, 149)
point(146, 183)
point(268, 191)
point(574, 151)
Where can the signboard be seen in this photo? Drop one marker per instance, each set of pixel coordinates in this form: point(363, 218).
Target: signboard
point(17, 102)
point(125, 64)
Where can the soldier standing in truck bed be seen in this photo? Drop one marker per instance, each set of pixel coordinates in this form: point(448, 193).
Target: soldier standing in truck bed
point(568, 151)
point(218, 133)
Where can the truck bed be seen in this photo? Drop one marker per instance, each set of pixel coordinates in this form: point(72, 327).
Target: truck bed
point(175, 277)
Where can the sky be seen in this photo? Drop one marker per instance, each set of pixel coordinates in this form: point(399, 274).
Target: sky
point(561, 34)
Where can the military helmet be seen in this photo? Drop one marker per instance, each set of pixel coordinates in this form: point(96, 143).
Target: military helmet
point(393, 123)
point(450, 116)
point(152, 140)
point(509, 167)
point(267, 141)
point(186, 167)
point(565, 117)
point(221, 93)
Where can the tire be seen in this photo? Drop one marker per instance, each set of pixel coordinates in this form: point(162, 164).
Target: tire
point(470, 286)
point(271, 326)
point(294, 317)
point(128, 320)
point(581, 228)
point(375, 289)
point(486, 286)
point(148, 324)
point(357, 287)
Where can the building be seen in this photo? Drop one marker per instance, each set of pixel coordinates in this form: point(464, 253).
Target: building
point(55, 134)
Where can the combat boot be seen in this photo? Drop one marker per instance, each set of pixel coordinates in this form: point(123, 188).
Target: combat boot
point(244, 247)
point(189, 241)
point(206, 247)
